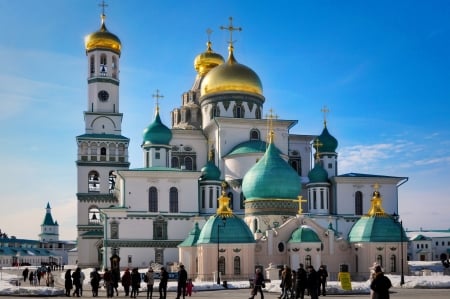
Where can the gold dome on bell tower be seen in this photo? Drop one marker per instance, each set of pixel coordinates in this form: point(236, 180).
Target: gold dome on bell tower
point(231, 76)
point(206, 61)
point(103, 39)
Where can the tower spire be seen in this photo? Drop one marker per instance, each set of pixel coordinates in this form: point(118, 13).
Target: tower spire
point(103, 15)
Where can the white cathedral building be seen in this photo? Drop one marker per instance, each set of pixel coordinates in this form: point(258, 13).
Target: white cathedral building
point(223, 189)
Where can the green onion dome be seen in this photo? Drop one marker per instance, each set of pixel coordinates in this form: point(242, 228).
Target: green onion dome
point(234, 231)
point(157, 132)
point(210, 172)
point(304, 234)
point(329, 144)
point(272, 177)
point(318, 174)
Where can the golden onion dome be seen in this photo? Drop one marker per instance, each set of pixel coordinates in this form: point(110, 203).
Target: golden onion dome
point(231, 76)
point(102, 39)
point(208, 60)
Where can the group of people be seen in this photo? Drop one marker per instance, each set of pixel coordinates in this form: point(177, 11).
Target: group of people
point(34, 277)
point(74, 279)
point(294, 284)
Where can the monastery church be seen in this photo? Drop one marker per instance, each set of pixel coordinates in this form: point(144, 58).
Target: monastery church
point(227, 187)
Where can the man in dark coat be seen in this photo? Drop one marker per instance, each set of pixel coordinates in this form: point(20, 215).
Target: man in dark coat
point(182, 278)
point(312, 282)
point(164, 277)
point(300, 284)
point(322, 274)
point(380, 284)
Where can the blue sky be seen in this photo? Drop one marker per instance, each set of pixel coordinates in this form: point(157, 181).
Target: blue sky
point(381, 67)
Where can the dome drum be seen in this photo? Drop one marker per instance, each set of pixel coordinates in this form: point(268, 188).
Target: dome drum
point(271, 207)
point(231, 96)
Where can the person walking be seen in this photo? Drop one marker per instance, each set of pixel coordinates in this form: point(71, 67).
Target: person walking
point(150, 280)
point(312, 282)
point(107, 278)
point(82, 278)
point(95, 282)
point(25, 274)
point(181, 283)
point(258, 284)
point(135, 283)
point(300, 284)
point(76, 278)
point(380, 284)
point(68, 285)
point(189, 287)
point(322, 275)
point(126, 281)
point(164, 277)
point(286, 282)
point(50, 280)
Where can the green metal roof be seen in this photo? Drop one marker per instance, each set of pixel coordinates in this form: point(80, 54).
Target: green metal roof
point(192, 238)
point(318, 174)
point(304, 234)
point(329, 143)
point(210, 172)
point(248, 147)
point(102, 136)
point(377, 229)
point(234, 231)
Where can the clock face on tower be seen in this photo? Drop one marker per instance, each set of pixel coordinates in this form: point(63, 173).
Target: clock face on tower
point(103, 95)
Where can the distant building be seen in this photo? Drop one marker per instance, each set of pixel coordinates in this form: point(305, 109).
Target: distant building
point(48, 250)
point(428, 245)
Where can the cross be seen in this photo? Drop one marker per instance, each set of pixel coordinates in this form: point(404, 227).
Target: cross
point(209, 32)
point(231, 29)
point(325, 110)
point(157, 96)
point(300, 200)
point(270, 117)
point(103, 5)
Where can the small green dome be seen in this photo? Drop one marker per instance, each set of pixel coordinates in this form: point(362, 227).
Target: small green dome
point(329, 143)
point(318, 174)
point(376, 229)
point(271, 177)
point(210, 172)
point(157, 133)
point(304, 234)
point(192, 238)
point(234, 231)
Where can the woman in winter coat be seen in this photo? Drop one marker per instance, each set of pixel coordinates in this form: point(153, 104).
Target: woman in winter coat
point(68, 282)
point(150, 280)
point(380, 284)
point(126, 282)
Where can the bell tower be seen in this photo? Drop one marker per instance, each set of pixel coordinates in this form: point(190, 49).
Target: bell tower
point(101, 149)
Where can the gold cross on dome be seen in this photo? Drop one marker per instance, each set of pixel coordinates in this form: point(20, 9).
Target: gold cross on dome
point(103, 5)
point(325, 110)
point(231, 29)
point(300, 200)
point(157, 96)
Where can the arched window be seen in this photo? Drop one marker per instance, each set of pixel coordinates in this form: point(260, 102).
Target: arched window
point(230, 196)
point(380, 260)
point(222, 265)
point(94, 215)
point(112, 181)
point(254, 134)
point(152, 199)
point(258, 113)
point(93, 181)
point(211, 197)
point(314, 199)
point(160, 229)
point(114, 67)
point(238, 111)
point(255, 225)
point(203, 199)
point(188, 163)
point(103, 65)
point(173, 200)
point(393, 265)
point(175, 162)
point(358, 203)
point(92, 65)
point(241, 200)
point(307, 261)
point(237, 265)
